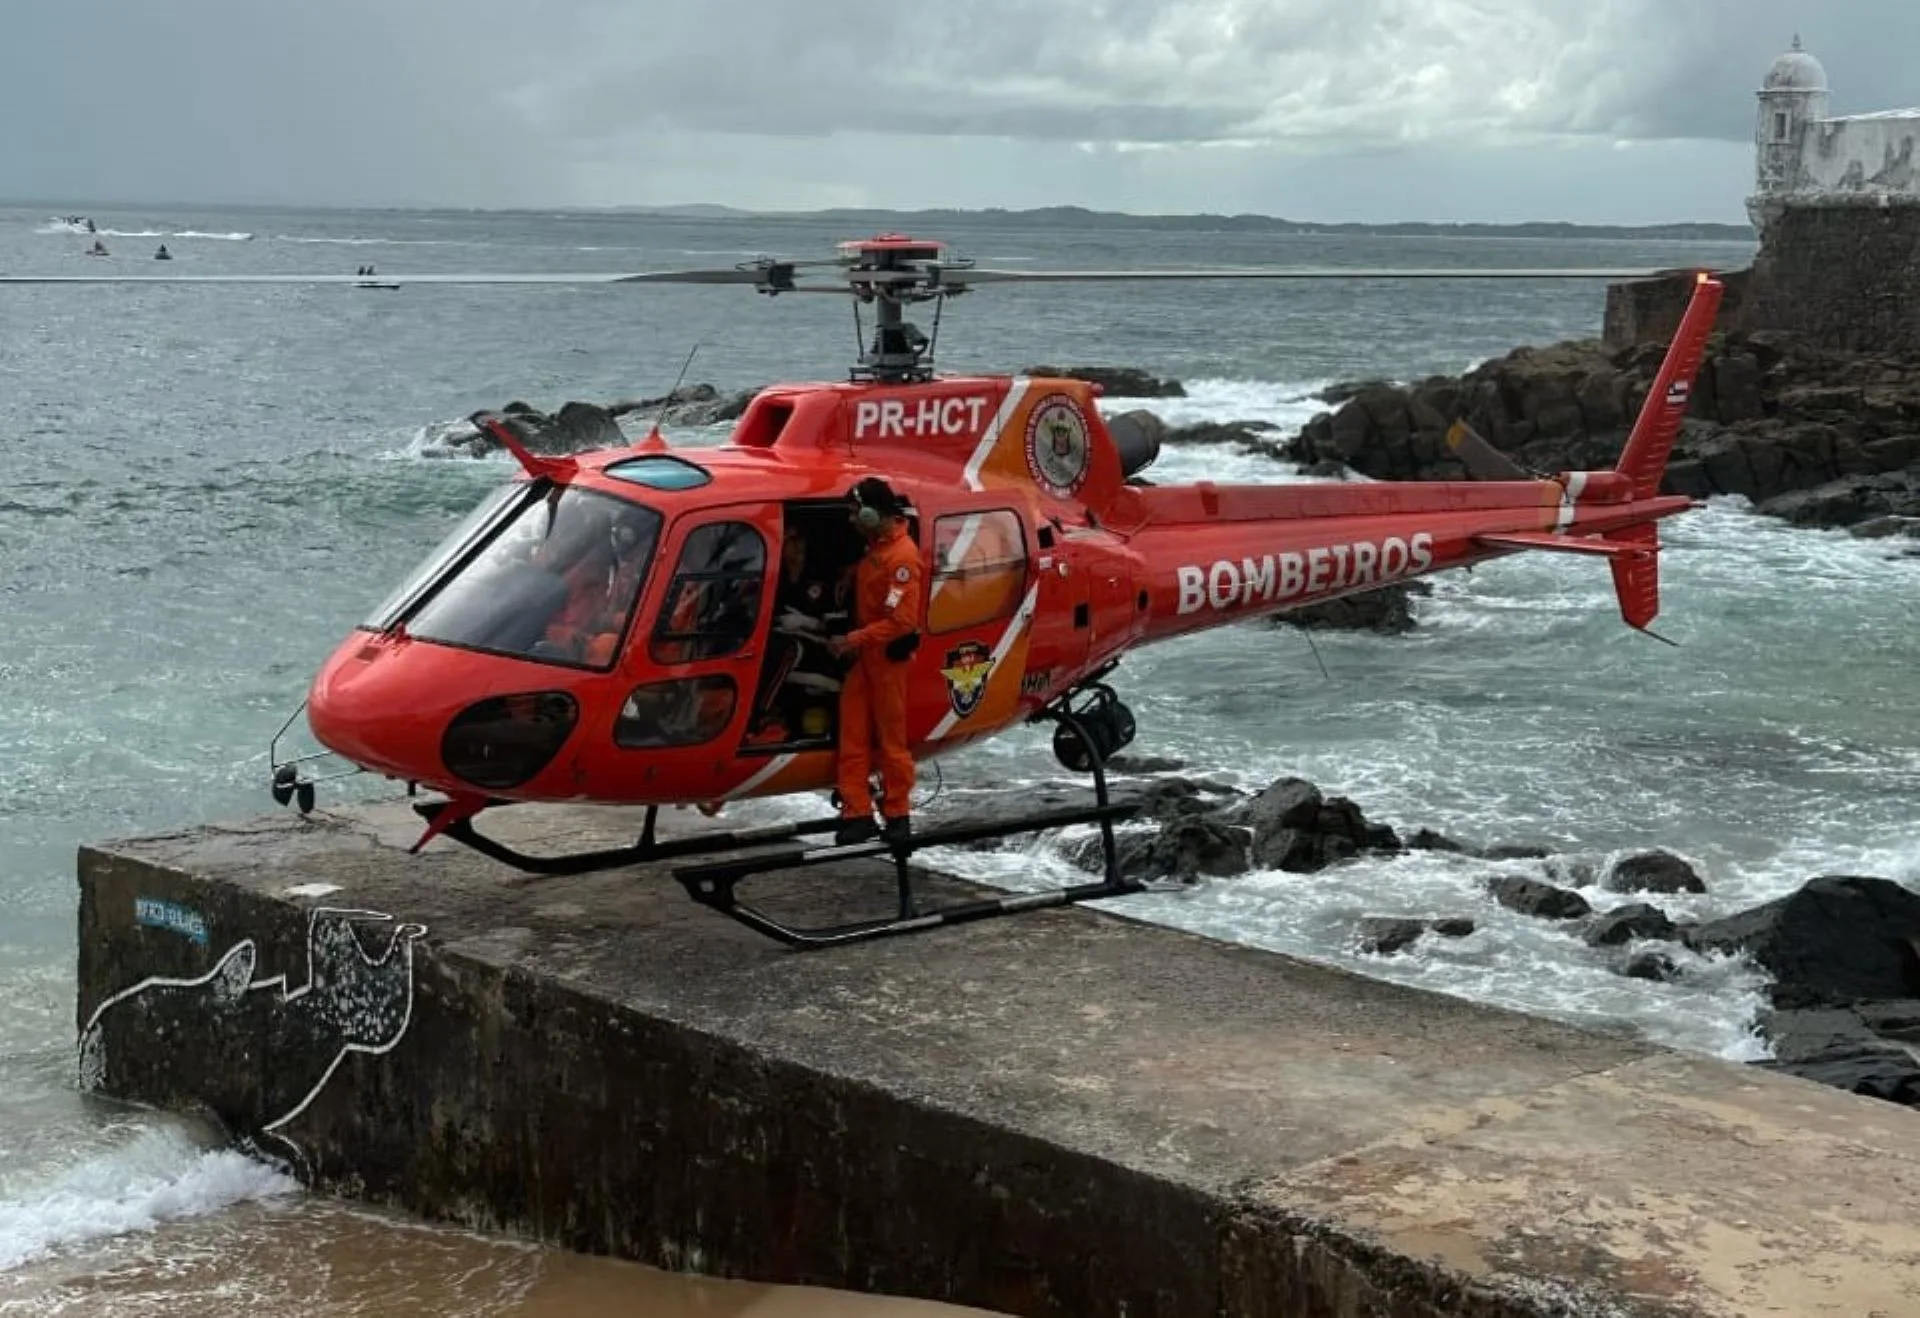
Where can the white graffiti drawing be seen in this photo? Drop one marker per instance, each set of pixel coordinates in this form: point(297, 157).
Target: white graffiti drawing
point(257, 1052)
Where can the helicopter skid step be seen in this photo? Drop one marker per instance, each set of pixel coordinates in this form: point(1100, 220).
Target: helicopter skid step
point(713, 884)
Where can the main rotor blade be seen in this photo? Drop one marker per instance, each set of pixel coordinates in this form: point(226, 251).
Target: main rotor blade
point(949, 276)
point(749, 277)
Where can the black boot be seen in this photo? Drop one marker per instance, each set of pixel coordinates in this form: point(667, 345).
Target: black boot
point(899, 829)
point(859, 828)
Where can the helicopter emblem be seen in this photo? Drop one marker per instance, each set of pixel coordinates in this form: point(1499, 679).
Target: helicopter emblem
point(966, 671)
point(1057, 445)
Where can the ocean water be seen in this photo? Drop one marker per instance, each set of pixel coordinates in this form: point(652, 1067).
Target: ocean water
point(210, 485)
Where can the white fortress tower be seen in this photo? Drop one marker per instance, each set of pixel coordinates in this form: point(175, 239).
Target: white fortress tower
point(1836, 205)
point(1804, 155)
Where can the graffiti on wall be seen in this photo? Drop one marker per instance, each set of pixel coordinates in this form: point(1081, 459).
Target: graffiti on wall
point(253, 1050)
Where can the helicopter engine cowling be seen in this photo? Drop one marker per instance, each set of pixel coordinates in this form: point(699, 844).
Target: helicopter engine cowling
point(1136, 441)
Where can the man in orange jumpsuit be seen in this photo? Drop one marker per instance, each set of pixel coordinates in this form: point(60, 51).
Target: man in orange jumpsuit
point(889, 593)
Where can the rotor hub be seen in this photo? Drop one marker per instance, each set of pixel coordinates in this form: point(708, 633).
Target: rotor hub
point(903, 270)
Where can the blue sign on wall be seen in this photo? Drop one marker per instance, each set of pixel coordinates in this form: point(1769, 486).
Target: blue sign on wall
point(157, 914)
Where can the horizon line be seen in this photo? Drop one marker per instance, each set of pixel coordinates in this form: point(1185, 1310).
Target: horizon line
point(745, 212)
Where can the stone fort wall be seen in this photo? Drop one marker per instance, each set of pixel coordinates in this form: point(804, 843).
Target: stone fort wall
point(1840, 272)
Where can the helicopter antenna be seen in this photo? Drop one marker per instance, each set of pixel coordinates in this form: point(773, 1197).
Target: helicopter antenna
point(654, 438)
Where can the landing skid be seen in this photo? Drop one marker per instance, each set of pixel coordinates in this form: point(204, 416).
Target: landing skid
point(715, 883)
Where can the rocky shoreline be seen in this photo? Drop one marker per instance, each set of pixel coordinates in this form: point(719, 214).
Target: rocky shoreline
point(1843, 951)
point(1814, 436)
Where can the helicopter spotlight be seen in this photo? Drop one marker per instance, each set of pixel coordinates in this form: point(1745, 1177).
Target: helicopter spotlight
point(618, 626)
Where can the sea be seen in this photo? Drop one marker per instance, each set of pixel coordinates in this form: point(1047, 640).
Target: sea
point(213, 483)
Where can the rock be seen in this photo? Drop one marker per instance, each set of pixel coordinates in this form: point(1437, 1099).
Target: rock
point(1652, 871)
point(1254, 437)
point(1297, 829)
point(1656, 966)
point(1116, 381)
point(1837, 1047)
point(1531, 897)
point(1383, 935)
point(1187, 848)
point(1425, 839)
point(1816, 436)
point(1838, 940)
point(1875, 528)
point(689, 405)
point(1625, 923)
point(1384, 609)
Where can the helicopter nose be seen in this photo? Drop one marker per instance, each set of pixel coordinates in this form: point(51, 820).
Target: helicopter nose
point(435, 716)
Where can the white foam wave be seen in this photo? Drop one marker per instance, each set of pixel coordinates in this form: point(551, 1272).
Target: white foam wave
point(159, 1176)
point(1286, 405)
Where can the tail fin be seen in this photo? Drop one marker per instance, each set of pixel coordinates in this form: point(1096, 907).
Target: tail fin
point(1644, 460)
point(1636, 574)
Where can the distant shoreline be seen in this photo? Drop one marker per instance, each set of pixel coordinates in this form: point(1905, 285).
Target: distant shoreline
point(1045, 217)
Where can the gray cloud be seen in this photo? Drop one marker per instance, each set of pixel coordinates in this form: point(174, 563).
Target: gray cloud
point(1310, 107)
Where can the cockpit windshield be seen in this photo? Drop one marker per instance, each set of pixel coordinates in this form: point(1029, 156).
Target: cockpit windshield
point(556, 579)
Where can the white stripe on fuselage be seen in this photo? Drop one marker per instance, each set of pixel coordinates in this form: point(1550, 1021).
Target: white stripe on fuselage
point(1569, 498)
point(1014, 626)
point(991, 436)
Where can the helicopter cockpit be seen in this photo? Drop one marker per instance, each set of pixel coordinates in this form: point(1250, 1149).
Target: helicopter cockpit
point(539, 573)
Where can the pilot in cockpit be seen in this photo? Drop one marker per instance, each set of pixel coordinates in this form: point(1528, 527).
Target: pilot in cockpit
point(600, 557)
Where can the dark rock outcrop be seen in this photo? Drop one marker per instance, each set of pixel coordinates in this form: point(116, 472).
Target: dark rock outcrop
point(1652, 871)
point(1384, 935)
point(1116, 381)
point(1844, 951)
point(689, 405)
point(1837, 941)
point(1816, 436)
point(1516, 892)
point(1386, 609)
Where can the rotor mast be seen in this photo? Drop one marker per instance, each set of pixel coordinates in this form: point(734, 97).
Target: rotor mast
point(890, 271)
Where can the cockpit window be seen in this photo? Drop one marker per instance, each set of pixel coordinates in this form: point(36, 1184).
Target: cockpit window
point(557, 581)
point(714, 601)
point(472, 528)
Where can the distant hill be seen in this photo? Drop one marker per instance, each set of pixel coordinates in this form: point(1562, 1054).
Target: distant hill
point(1079, 217)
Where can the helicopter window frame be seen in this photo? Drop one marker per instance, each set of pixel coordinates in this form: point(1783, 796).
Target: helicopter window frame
point(502, 504)
point(671, 645)
point(951, 568)
point(643, 552)
point(675, 712)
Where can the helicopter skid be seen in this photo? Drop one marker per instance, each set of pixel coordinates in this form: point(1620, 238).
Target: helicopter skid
point(713, 884)
point(648, 848)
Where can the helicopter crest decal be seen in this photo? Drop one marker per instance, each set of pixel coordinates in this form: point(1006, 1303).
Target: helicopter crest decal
point(967, 669)
point(1057, 445)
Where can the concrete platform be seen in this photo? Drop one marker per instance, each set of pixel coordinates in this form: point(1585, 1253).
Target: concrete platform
point(1063, 1112)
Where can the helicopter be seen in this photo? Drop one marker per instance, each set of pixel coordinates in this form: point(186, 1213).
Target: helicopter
point(617, 626)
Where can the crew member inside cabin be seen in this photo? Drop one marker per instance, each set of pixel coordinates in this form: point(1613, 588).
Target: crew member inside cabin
point(888, 592)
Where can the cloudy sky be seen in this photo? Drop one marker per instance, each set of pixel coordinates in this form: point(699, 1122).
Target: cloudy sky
point(1602, 111)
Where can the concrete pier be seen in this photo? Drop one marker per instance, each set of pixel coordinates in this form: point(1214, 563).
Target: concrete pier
point(1063, 1112)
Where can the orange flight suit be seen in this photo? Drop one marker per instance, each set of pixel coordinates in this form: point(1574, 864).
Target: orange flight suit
point(888, 592)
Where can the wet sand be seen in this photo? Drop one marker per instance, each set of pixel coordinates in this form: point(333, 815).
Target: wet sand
point(327, 1259)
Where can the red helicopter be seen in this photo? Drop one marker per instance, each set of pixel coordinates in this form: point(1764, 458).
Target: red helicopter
point(620, 626)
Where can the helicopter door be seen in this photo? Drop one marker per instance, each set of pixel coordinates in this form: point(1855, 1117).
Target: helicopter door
point(705, 633)
point(979, 580)
point(796, 699)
